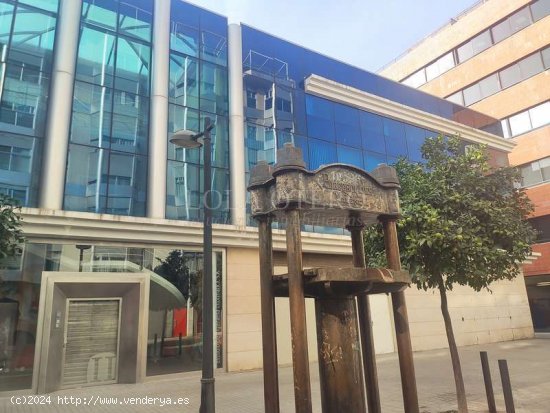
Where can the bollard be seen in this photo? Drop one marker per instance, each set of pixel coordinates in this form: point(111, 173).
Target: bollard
point(179, 346)
point(506, 386)
point(488, 382)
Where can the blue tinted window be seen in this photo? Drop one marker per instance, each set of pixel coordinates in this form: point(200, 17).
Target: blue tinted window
point(372, 160)
point(346, 121)
point(127, 184)
point(321, 153)
point(49, 5)
point(91, 121)
point(350, 156)
point(136, 19)
point(184, 39)
point(19, 167)
point(96, 58)
point(184, 81)
point(213, 89)
point(86, 179)
point(132, 66)
point(372, 132)
point(214, 48)
point(415, 140)
point(394, 131)
point(100, 13)
point(320, 118)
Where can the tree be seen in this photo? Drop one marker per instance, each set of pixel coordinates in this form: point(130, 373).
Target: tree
point(462, 222)
point(11, 234)
point(174, 269)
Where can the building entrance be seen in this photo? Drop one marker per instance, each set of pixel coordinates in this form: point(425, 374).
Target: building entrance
point(91, 342)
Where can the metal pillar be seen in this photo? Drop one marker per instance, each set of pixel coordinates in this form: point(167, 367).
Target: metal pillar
point(52, 178)
point(402, 333)
point(302, 387)
point(158, 125)
point(236, 126)
point(365, 323)
point(269, 339)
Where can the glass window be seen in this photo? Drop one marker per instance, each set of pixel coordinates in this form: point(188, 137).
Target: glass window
point(213, 89)
point(394, 132)
point(456, 98)
point(440, 66)
point(501, 31)
point(416, 79)
point(540, 9)
point(415, 139)
point(372, 132)
point(520, 123)
point(130, 128)
point(544, 165)
point(372, 160)
point(100, 13)
point(472, 94)
point(49, 5)
point(136, 20)
point(505, 129)
point(481, 42)
point(530, 66)
point(510, 76)
point(127, 184)
point(184, 81)
point(132, 66)
point(540, 115)
point(546, 57)
point(489, 86)
point(350, 156)
point(346, 121)
point(95, 63)
point(213, 48)
point(183, 191)
point(531, 174)
point(20, 167)
point(24, 101)
point(86, 179)
point(91, 119)
point(6, 18)
point(321, 153)
point(520, 19)
point(184, 39)
point(320, 118)
point(33, 34)
point(464, 52)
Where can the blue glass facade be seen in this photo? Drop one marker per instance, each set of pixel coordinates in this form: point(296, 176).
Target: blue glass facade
point(198, 89)
point(107, 156)
point(27, 34)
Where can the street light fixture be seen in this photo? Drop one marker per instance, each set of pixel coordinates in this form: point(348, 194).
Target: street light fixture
point(189, 139)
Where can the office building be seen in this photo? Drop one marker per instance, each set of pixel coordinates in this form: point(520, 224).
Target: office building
point(494, 58)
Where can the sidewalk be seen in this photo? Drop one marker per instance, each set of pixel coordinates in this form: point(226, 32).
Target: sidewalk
point(528, 362)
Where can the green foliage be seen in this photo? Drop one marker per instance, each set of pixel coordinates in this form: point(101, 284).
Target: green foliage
point(174, 269)
point(462, 221)
point(11, 234)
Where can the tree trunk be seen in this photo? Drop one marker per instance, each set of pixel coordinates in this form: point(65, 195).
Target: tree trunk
point(457, 369)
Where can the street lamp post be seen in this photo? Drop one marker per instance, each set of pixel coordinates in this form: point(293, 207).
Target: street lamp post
point(189, 139)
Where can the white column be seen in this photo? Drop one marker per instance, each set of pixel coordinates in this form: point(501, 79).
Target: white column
point(236, 127)
point(158, 120)
point(52, 181)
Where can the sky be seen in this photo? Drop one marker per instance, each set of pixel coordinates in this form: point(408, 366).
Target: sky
point(364, 33)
